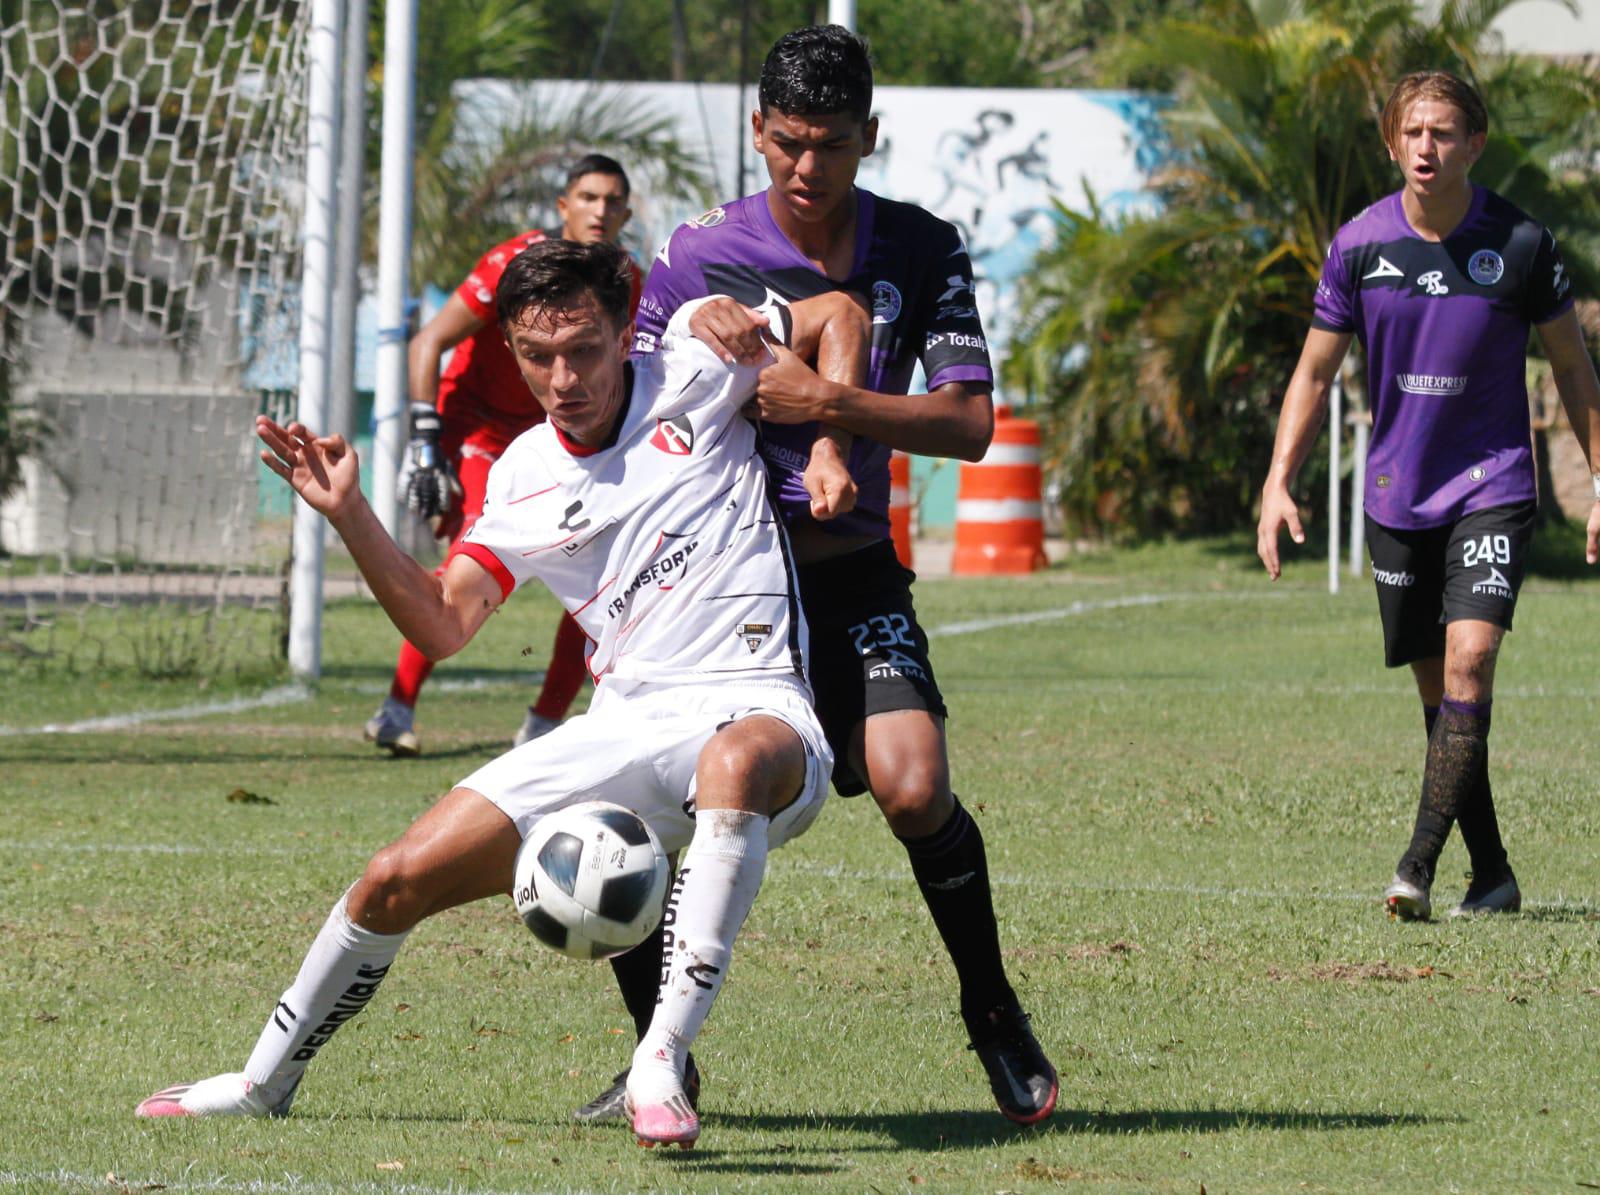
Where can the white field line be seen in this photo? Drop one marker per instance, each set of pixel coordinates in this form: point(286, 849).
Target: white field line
point(288, 1184)
point(288, 694)
point(1560, 903)
point(831, 871)
point(283, 695)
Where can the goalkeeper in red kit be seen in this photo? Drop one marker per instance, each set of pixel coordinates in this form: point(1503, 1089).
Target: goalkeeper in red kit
point(463, 419)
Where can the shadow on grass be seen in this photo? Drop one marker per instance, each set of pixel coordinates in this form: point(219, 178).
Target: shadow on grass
point(971, 1129)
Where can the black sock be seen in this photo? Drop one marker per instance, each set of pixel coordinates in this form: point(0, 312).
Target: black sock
point(1456, 768)
point(1430, 715)
point(638, 975)
point(953, 873)
point(1480, 829)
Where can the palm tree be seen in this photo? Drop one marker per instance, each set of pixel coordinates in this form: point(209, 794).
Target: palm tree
point(1160, 341)
point(482, 177)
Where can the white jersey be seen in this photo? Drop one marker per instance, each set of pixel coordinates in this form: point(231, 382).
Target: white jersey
point(664, 546)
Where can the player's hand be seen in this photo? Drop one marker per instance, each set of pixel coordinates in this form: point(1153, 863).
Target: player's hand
point(1277, 510)
point(789, 390)
point(322, 469)
point(732, 330)
point(1591, 551)
point(426, 483)
point(827, 480)
point(429, 490)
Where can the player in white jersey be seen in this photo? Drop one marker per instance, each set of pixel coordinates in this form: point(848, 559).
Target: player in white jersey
point(642, 503)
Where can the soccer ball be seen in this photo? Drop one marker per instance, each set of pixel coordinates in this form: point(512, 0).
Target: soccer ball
point(591, 880)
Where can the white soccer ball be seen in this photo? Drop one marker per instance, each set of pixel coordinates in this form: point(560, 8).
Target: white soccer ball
point(591, 880)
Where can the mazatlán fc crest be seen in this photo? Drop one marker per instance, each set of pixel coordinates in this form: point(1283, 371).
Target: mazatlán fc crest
point(1486, 267)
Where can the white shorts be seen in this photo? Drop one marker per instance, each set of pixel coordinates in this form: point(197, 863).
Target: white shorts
point(638, 747)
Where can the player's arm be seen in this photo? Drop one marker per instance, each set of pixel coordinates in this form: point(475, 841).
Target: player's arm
point(953, 420)
point(1574, 376)
point(450, 325)
point(834, 330)
point(438, 615)
point(1304, 407)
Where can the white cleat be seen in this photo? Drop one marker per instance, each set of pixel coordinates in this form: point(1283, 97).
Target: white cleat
point(534, 726)
point(220, 1095)
point(1504, 897)
point(390, 728)
point(1407, 900)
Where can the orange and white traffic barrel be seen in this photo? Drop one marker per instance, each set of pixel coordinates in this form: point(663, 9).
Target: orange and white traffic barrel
point(900, 506)
point(999, 505)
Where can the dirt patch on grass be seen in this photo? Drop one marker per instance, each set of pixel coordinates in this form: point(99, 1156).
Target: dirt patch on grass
point(1379, 972)
point(1077, 951)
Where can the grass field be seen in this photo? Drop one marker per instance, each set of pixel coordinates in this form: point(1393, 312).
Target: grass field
point(1193, 785)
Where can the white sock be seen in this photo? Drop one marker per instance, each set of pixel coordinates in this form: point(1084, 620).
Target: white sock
point(716, 884)
point(341, 972)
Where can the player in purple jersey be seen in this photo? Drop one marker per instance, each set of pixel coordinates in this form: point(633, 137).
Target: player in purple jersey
point(812, 231)
point(1441, 282)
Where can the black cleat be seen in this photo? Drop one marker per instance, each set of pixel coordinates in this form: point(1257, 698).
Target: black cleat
point(1021, 1077)
point(608, 1105)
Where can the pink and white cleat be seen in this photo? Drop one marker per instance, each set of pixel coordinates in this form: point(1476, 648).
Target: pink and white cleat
point(220, 1095)
point(672, 1121)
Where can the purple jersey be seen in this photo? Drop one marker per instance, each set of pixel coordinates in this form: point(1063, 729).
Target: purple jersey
point(1445, 328)
point(910, 263)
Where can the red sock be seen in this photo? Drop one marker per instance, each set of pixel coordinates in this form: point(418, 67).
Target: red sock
point(564, 677)
point(410, 671)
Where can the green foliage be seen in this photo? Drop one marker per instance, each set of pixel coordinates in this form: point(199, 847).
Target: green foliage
point(475, 188)
point(1160, 341)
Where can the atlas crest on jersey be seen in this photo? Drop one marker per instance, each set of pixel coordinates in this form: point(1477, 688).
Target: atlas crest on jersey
point(675, 436)
point(754, 634)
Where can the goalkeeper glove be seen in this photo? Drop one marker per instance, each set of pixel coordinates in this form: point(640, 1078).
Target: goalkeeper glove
point(425, 478)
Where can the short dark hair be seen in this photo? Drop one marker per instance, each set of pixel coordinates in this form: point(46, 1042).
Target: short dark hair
point(556, 275)
point(598, 164)
point(817, 71)
point(1432, 85)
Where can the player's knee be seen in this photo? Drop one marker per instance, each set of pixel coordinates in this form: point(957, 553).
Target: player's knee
point(915, 799)
point(757, 772)
point(391, 895)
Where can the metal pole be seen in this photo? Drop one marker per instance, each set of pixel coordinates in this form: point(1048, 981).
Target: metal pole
point(842, 12)
point(347, 276)
point(394, 257)
point(1335, 437)
point(316, 297)
point(1358, 495)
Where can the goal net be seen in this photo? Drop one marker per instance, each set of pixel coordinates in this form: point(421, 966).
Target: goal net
point(151, 181)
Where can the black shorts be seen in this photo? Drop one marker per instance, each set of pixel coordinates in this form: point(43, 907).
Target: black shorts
point(868, 653)
point(1471, 568)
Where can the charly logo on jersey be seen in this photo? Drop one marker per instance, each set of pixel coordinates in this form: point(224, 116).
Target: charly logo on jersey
point(644, 342)
point(710, 219)
point(886, 302)
point(1442, 385)
point(1559, 282)
point(1384, 269)
point(675, 436)
point(566, 524)
point(1494, 585)
point(754, 634)
point(1486, 267)
point(1433, 282)
point(960, 299)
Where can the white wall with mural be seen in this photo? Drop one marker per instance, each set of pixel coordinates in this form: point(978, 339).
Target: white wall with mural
point(988, 160)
